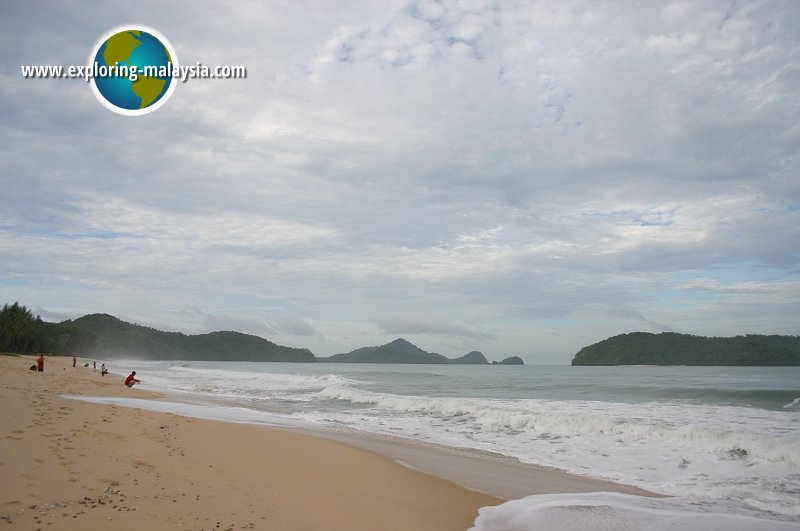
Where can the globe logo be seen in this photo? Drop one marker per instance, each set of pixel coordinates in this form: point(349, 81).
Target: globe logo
point(132, 70)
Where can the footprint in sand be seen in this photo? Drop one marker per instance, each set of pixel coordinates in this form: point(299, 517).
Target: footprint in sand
point(108, 435)
point(141, 464)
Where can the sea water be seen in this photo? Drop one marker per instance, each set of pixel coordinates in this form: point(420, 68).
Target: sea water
point(720, 441)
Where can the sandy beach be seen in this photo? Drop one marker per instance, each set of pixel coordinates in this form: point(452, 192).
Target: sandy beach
point(68, 464)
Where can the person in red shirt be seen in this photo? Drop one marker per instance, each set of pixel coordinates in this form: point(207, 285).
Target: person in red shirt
point(131, 379)
point(40, 363)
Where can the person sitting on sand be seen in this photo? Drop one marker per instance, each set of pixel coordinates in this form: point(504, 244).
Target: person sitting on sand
point(131, 380)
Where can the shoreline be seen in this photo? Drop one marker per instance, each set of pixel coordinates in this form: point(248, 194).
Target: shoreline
point(493, 474)
point(490, 473)
point(496, 475)
point(75, 465)
point(82, 465)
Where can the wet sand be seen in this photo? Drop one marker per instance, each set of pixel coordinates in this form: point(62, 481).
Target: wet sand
point(500, 476)
point(67, 464)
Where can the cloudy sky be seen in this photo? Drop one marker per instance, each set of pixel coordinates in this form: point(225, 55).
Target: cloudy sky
point(520, 178)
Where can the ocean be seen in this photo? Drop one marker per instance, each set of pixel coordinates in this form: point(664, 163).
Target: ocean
point(722, 442)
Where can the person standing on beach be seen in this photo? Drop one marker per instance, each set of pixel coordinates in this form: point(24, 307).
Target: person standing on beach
point(40, 363)
point(131, 379)
point(94, 366)
point(74, 360)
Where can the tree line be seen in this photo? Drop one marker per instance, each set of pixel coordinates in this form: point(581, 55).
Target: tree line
point(22, 332)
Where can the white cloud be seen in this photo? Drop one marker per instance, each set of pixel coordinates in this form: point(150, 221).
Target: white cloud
point(431, 326)
point(295, 326)
point(212, 322)
point(506, 168)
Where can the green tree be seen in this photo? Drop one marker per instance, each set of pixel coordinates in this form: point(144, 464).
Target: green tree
point(20, 331)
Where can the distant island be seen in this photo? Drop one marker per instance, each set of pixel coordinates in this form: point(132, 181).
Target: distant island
point(402, 351)
point(512, 360)
point(107, 337)
point(669, 348)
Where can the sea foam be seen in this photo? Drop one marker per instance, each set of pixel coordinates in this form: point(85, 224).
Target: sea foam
point(713, 443)
point(603, 511)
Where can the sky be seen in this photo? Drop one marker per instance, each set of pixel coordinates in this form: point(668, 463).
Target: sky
point(516, 177)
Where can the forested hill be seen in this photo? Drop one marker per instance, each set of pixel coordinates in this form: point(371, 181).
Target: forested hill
point(104, 336)
point(118, 339)
point(642, 348)
point(402, 351)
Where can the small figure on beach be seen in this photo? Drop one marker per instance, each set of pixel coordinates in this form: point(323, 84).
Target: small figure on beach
point(94, 366)
point(40, 363)
point(131, 380)
point(74, 360)
point(103, 370)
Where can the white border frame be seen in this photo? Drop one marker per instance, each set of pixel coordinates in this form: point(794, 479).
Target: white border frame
point(133, 27)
